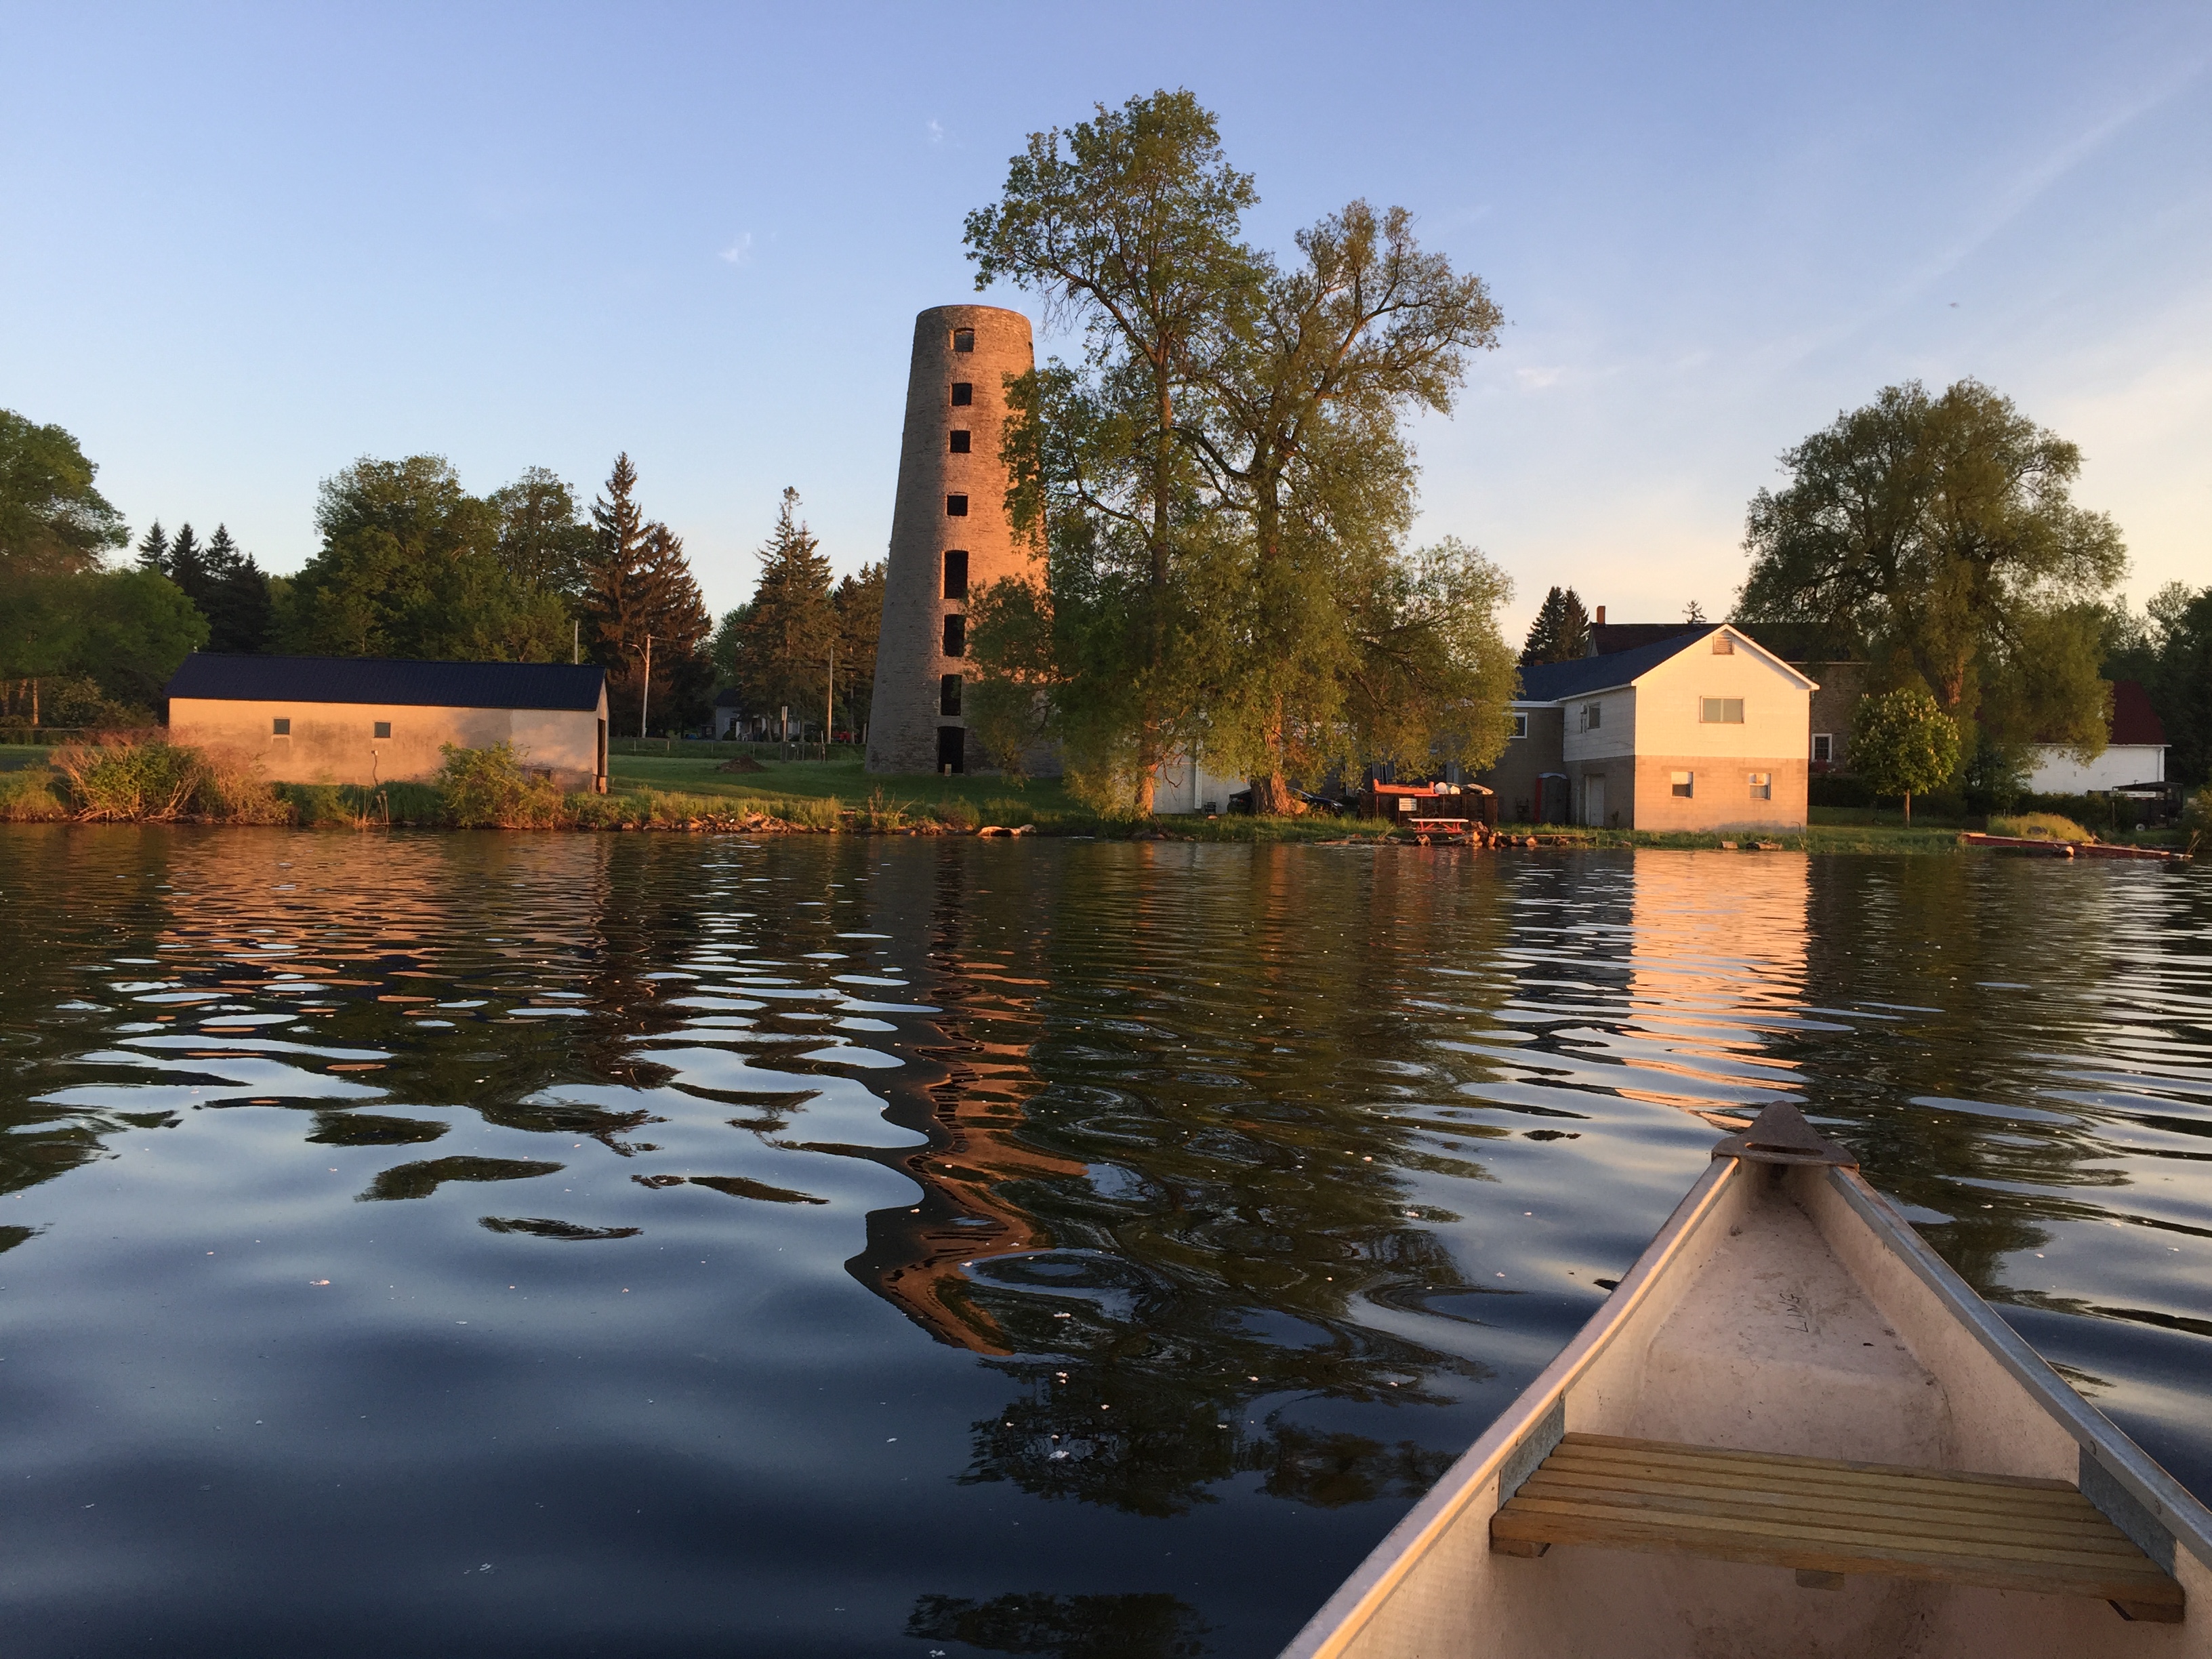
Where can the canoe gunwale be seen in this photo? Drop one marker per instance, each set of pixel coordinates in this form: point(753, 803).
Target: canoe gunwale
point(2163, 1500)
point(1340, 1620)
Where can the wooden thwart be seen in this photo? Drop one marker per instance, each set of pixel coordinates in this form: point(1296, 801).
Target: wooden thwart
point(1827, 1517)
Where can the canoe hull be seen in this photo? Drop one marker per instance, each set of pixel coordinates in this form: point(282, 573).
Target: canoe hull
point(1783, 1309)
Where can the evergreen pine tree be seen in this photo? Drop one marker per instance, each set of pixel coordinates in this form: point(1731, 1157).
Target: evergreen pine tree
point(1560, 632)
point(153, 551)
point(783, 652)
point(237, 607)
point(637, 584)
point(187, 566)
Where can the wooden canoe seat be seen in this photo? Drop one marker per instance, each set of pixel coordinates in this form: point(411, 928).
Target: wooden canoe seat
point(1827, 1519)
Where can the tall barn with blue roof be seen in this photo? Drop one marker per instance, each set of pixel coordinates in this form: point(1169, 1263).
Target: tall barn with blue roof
point(380, 720)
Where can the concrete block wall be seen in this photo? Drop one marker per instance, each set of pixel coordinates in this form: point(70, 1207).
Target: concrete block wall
point(911, 663)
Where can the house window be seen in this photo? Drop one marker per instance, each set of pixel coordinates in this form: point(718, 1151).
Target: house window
point(956, 636)
point(1593, 716)
point(959, 443)
point(281, 727)
point(956, 507)
point(1720, 711)
point(963, 339)
point(964, 393)
point(382, 729)
point(1762, 786)
point(1824, 747)
point(955, 572)
point(1684, 784)
point(1520, 725)
point(948, 693)
point(1723, 646)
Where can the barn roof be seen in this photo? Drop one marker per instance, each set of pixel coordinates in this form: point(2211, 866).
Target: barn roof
point(1578, 677)
point(388, 681)
point(2134, 721)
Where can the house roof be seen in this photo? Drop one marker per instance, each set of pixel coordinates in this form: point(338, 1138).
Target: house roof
point(387, 680)
point(1792, 642)
point(2134, 721)
point(1554, 681)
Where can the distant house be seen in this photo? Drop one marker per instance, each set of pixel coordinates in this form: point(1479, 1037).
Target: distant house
point(1702, 729)
point(1813, 649)
point(2134, 752)
point(376, 719)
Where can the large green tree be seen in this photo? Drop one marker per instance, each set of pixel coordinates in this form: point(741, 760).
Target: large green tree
point(1940, 531)
point(53, 521)
point(1126, 225)
point(543, 541)
point(2169, 649)
point(638, 592)
point(410, 567)
point(1307, 446)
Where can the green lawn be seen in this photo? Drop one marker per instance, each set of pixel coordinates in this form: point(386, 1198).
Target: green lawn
point(848, 782)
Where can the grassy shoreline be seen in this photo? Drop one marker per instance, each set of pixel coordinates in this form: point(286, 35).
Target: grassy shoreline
point(690, 795)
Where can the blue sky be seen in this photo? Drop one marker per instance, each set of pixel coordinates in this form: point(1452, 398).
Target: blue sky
point(245, 245)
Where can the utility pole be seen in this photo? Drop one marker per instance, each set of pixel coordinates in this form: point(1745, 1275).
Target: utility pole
point(645, 692)
point(829, 704)
point(575, 641)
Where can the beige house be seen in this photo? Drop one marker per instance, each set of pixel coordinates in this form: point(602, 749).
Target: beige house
point(376, 719)
point(1704, 730)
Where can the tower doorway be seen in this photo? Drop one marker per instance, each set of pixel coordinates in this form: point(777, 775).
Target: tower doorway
point(952, 748)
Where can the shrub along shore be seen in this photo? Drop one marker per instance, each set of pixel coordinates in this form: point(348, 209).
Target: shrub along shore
point(149, 781)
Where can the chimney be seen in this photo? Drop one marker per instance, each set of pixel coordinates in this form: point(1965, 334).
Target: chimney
point(1600, 616)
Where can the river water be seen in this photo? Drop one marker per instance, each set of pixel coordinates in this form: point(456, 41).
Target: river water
point(836, 1246)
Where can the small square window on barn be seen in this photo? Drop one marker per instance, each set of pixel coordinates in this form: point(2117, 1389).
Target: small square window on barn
point(1720, 711)
point(1762, 786)
point(963, 339)
point(1520, 726)
point(948, 693)
point(1682, 783)
point(1723, 646)
point(964, 393)
point(281, 727)
point(956, 636)
point(382, 729)
point(955, 572)
point(956, 507)
point(1593, 716)
point(959, 443)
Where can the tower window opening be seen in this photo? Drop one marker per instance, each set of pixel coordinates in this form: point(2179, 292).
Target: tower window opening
point(963, 339)
point(281, 727)
point(959, 443)
point(951, 750)
point(382, 729)
point(956, 636)
point(964, 393)
point(956, 507)
point(955, 572)
point(948, 693)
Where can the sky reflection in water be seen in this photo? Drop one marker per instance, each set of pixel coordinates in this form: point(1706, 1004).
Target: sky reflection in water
point(874, 1247)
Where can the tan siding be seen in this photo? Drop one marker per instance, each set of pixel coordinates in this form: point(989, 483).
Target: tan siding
point(336, 742)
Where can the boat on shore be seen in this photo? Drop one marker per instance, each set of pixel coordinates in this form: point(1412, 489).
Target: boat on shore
point(1792, 1428)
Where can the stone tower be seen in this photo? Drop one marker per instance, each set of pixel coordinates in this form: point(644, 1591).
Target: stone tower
point(950, 534)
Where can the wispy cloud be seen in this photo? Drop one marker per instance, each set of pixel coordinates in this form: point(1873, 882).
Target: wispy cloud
point(739, 252)
point(936, 131)
point(1535, 379)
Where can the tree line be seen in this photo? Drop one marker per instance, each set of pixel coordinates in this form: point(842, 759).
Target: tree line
point(409, 565)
